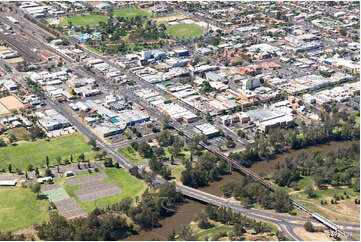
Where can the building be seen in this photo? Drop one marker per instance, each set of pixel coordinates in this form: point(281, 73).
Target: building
point(251, 83)
point(103, 6)
point(266, 119)
point(207, 129)
point(51, 120)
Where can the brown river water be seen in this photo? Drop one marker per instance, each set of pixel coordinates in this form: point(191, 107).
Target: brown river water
point(186, 212)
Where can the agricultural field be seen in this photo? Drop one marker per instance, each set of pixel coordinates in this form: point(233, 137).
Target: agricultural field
point(130, 12)
point(129, 185)
point(19, 209)
point(185, 31)
point(83, 20)
point(35, 152)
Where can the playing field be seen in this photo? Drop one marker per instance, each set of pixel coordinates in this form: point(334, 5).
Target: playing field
point(129, 185)
point(83, 20)
point(19, 209)
point(185, 31)
point(36, 152)
point(11, 102)
point(130, 12)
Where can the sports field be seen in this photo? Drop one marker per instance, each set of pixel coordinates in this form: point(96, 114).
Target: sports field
point(19, 208)
point(36, 152)
point(83, 20)
point(129, 185)
point(130, 12)
point(185, 31)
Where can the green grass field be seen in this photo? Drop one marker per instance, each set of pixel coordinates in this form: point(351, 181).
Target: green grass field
point(36, 152)
point(185, 30)
point(131, 187)
point(130, 154)
point(15, 210)
point(130, 12)
point(83, 20)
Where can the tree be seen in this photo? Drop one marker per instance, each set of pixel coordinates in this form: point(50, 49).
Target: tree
point(36, 172)
point(171, 236)
point(81, 157)
point(186, 233)
point(309, 227)
point(238, 230)
point(92, 143)
point(48, 172)
point(35, 188)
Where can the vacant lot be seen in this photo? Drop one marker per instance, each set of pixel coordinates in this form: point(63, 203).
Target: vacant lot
point(130, 154)
point(35, 152)
point(185, 31)
point(19, 209)
point(83, 20)
point(130, 186)
point(130, 12)
point(20, 133)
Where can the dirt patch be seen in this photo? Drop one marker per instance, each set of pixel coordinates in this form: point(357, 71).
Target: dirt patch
point(348, 208)
point(170, 18)
point(308, 236)
point(12, 102)
point(15, 60)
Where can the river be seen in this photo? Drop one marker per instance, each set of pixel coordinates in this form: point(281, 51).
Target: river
point(192, 208)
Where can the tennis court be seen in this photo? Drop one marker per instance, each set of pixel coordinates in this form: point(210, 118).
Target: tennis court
point(67, 206)
point(56, 194)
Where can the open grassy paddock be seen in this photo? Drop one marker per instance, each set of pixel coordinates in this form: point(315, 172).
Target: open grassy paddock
point(19, 208)
point(130, 154)
point(35, 152)
point(130, 186)
point(130, 12)
point(83, 20)
point(185, 31)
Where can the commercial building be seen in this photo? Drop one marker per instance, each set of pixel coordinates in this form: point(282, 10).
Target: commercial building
point(266, 119)
point(207, 129)
point(51, 120)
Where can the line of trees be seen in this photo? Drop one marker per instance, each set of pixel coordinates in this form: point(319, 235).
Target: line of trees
point(239, 222)
point(251, 193)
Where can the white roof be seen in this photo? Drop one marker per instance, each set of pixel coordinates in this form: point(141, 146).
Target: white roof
point(7, 182)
